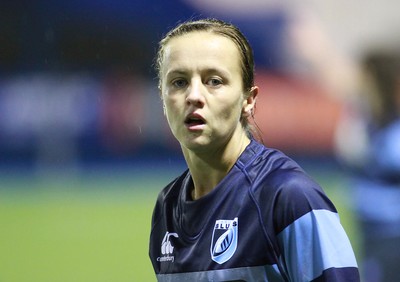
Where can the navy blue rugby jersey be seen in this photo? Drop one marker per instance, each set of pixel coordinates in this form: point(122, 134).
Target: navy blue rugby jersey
point(265, 221)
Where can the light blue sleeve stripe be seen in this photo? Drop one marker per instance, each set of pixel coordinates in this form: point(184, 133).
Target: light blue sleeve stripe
point(315, 242)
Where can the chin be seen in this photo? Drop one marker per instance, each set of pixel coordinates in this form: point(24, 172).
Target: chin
point(197, 144)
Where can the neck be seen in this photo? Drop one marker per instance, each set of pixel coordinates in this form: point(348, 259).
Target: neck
point(209, 168)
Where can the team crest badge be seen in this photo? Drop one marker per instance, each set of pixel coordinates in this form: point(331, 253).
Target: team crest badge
point(224, 240)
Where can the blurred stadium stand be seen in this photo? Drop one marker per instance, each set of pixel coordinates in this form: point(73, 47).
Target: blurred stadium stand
point(77, 84)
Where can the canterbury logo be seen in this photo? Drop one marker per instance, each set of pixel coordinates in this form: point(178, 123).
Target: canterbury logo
point(166, 246)
point(224, 240)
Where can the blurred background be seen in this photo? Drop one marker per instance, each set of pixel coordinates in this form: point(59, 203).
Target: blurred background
point(85, 148)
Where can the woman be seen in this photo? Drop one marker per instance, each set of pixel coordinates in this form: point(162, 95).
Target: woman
point(368, 145)
point(241, 211)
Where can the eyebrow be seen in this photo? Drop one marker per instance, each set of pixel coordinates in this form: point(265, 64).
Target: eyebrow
point(184, 71)
point(176, 71)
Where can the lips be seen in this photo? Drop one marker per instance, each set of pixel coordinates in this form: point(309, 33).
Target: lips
point(194, 119)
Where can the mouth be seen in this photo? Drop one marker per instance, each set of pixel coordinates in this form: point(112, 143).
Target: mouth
point(193, 120)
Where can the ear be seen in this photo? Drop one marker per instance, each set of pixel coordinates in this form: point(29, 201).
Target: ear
point(250, 102)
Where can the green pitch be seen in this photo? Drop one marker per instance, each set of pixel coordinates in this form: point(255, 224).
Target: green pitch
point(89, 228)
point(76, 229)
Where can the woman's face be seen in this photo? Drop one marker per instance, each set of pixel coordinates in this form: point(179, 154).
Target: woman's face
point(202, 91)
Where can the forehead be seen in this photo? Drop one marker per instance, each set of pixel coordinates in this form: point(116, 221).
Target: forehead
point(201, 47)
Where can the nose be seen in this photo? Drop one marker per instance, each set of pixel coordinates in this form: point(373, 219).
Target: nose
point(195, 94)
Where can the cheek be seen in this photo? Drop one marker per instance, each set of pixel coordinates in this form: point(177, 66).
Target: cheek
point(171, 108)
point(168, 111)
point(231, 111)
point(168, 102)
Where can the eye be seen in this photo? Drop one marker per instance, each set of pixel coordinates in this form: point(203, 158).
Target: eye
point(214, 82)
point(179, 83)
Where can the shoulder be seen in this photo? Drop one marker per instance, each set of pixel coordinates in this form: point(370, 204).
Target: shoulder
point(281, 187)
point(260, 161)
point(298, 196)
point(272, 170)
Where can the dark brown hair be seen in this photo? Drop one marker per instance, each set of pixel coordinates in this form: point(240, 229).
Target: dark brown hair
point(384, 68)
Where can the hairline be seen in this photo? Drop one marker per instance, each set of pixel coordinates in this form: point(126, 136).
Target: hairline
point(217, 30)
